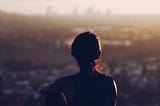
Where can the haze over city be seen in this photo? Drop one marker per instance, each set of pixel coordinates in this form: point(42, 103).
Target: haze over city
point(67, 6)
point(35, 49)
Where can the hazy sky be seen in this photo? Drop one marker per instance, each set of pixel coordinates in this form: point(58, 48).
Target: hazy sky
point(66, 6)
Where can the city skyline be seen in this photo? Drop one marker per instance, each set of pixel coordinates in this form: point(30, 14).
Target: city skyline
point(66, 7)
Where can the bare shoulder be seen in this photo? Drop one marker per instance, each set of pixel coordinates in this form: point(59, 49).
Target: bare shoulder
point(55, 86)
point(112, 84)
point(63, 80)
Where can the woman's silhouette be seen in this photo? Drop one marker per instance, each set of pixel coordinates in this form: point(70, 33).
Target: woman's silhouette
point(89, 87)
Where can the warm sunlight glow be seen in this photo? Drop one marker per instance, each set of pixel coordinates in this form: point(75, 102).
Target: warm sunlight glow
point(127, 43)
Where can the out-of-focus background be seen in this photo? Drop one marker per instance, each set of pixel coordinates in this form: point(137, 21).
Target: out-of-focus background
point(35, 38)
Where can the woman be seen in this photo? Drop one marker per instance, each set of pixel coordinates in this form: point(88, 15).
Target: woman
point(89, 87)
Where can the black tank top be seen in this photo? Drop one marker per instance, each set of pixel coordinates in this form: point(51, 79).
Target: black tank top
point(93, 91)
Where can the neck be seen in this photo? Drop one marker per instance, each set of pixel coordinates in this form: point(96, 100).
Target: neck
point(87, 70)
point(86, 66)
point(89, 73)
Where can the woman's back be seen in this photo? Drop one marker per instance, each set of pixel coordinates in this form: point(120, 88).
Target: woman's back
point(96, 90)
point(82, 90)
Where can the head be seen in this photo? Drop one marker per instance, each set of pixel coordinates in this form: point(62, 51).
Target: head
point(86, 49)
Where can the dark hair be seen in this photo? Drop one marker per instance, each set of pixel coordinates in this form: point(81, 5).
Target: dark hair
point(86, 48)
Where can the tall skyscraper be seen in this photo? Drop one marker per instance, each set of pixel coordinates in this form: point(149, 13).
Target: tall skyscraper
point(49, 11)
point(108, 12)
point(89, 11)
point(75, 11)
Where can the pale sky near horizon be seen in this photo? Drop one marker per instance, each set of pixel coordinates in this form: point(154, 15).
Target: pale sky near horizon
point(66, 6)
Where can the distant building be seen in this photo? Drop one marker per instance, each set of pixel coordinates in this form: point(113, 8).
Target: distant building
point(108, 12)
point(98, 12)
point(75, 11)
point(49, 11)
point(89, 11)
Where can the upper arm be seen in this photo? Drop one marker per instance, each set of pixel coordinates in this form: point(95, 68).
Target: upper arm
point(111, 93)
point(52, 87)
point(116, 91)
point(115, 86)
